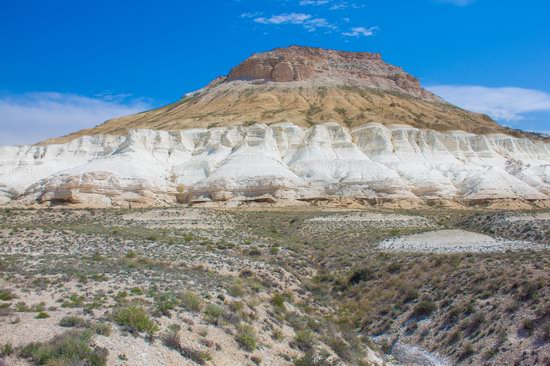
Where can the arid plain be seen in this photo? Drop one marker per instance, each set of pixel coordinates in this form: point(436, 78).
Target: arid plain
point(270, 286)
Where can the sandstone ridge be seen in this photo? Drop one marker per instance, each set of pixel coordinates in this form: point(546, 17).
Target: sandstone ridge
point(333, 67)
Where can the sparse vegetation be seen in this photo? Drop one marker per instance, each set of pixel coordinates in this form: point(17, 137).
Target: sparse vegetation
point(214, 313)
point(246, 337)
point(326, 287)
point(70, 348)
point(191, 301)
point(135, 319)
point(171, 339)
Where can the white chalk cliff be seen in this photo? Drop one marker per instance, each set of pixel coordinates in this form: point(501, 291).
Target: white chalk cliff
point(293, 159)
point(281, 161)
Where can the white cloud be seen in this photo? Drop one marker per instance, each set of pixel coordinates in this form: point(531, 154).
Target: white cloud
point(345, 5)
point(505, 104)
point(457, 2)
point(334, 5)
point(31, 117)
point(287, 18)
point(314, 2)
point(360, 32)
point(251, 15)
point(306, 20)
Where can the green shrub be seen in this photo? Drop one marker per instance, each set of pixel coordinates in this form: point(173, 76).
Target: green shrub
point(278, 335)
point(70, 348)
point(304, 340)
point(528, 326)
point(6, 349)
point(135, 318)
point(103, 329)
point(74, 301)
point(171, 340)
point(190, 301)
point(424, 308)
point(246, 337)
point(213, 313)
point(6, 295)
point(136, 291)
point(74, 321)
point(466, 351)
point(530, 290)
point(278, 300)
point(409, 294)
point(21, 307)
point(360, 275)
point(42, 315)
point(236, 306)
point(312, 359)
point(340, 347)
point(474, 323)
point(236, 289)
point(166, 302)
point(254, 252)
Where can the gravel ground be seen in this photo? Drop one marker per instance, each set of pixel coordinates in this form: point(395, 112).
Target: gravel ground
point(374, 219)
point(455, 241)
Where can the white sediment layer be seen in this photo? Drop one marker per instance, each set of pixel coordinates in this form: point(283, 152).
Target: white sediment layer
point(279, 161)
point(455, 241)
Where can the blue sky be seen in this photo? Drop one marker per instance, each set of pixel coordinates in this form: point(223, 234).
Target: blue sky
point(67, 65)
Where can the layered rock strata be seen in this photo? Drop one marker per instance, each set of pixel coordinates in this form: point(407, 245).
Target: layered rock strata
point(281, 162)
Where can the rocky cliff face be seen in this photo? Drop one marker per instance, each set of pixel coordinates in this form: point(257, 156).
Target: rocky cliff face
point(282, 162)
point(306, 64)
point(290, 125)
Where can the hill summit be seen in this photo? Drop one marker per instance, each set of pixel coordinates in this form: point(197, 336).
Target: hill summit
point(306, 86)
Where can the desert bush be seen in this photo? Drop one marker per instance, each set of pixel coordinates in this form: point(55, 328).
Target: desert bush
point(473, 324)
point(454, 337)
point(42, 315)
point(236, 289)
point(465, 351)
point(409, 294)
point(278, 301)
point(278, 335)
point(70, 348)
point(423, 309)
point(254, 252)
point(360, 275)
point(530, 290)
point(135, 318)
point(311, 358)
point(6, 295)
point(304, 340)
point(165, 302)
point(190, 301)
point(136, 291)
point(103, 329)
point(171, 340)
point(340, 347)
point(545, 332)
point(213, 313)
point(246, 337)
point(73, 321)
point(528, 325)
point(6, 349)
